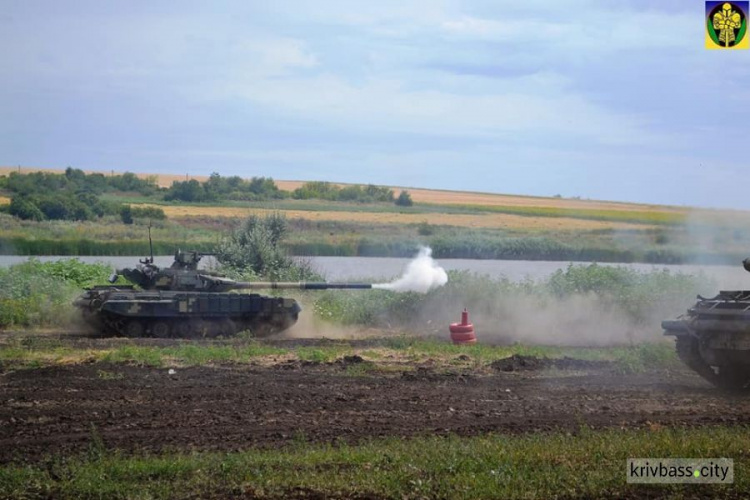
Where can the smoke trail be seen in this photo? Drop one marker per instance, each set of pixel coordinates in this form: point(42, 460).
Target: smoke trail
point(422, 275)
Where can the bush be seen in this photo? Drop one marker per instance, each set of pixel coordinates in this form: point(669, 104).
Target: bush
point(254, 250)
point(37, 294)
point(331, 192)
point(126, 214)
point(425, 229)
point(404, 199)
point(582, 305)
point(25, 209)
point(151, 213)
point(190, 191)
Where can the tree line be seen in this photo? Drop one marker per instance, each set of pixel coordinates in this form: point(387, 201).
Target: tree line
point(75, 195)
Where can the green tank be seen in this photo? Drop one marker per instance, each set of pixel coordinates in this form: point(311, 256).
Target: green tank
point(184, 302)
point(713, 337)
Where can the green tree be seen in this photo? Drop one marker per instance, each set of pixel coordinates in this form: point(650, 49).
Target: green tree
point(255, 249)
point(24, 208)
point(190, 191)
point(404, 199)
point(126, 214)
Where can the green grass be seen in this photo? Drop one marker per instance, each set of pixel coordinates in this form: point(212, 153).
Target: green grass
point(37, 294)
point(670, 242)
point(637, 358)
point(640, 299)
point(656, 217)
point(31, 353)
point(584, 464)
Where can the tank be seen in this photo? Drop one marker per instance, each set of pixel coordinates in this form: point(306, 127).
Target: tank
point(713, 337)
point(184, 302)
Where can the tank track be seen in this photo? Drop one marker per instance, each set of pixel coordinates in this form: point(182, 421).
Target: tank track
point(192, 328)
point(688, 350)
point(732, 376)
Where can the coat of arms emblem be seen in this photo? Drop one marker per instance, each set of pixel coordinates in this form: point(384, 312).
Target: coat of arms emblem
point(726, 25)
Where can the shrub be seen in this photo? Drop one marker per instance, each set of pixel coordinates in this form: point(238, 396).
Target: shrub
point(327, 191)
point(36, 294)
point(254, 250)
point(126, 214)
point(425, 229)
point(151, 213)
point(190, 191)
point(404, 199)
point(586, 304)
point(24, 208)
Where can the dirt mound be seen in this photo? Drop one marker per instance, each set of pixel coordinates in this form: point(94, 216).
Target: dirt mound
point(518, 362)
point(351, 360)
point(424, 374)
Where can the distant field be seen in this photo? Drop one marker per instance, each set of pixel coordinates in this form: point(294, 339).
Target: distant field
point(438, 196)
point(457, 224)
point(479, 220)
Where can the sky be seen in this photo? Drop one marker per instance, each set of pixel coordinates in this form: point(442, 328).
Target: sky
point(615, 100)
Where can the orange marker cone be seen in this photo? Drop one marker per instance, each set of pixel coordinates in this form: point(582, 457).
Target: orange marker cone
point(463, 332)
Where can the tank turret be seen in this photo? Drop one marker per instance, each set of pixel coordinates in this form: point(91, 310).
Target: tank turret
point(183, 275)
point(183, 301)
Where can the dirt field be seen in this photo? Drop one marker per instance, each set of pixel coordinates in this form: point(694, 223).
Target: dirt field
point(62, 409)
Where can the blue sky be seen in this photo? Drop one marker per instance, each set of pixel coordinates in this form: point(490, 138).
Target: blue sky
point(606, 100)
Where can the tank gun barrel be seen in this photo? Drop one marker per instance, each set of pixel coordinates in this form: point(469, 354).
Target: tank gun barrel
point(302, 285)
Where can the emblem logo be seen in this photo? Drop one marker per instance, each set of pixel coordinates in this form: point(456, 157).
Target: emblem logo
point(726, 25)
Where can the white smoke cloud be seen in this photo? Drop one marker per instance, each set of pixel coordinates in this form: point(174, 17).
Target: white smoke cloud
point(421, 275)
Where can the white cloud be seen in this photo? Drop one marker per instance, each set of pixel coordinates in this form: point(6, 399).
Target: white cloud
point(591, 30)
point(380, 104)
point(275, 56)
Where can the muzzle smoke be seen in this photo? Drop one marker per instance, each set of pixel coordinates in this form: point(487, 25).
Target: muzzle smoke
point(421, 275)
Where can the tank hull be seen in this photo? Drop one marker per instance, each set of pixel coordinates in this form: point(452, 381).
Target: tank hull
point(117, 310)
point(713, 338)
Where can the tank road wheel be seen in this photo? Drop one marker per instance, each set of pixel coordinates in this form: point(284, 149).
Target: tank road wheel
point(134, 328)
point(732, 377)
point(275, 324)
point(183, 329)
point(160, 329)
point(226, 328)
point(201, 329)
point(688, 350)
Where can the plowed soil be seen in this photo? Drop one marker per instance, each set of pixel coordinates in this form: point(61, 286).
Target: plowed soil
point(64, 409)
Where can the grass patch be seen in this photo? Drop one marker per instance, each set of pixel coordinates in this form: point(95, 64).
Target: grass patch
point(628, 359)
point(29, 353)
point(585, 464)
point(37, 293)
point(633, 216)
point(622, 295)
point(139, 355)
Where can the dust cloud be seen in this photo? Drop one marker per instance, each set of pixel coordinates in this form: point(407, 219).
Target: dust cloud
point(421, 275)
point(308, 326)
point(576, 320)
